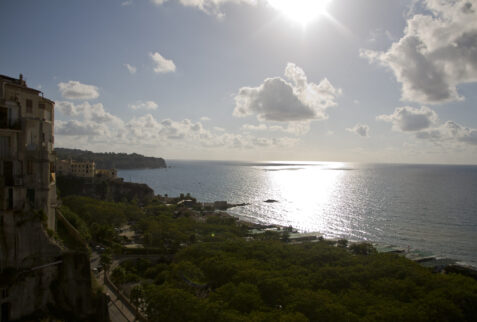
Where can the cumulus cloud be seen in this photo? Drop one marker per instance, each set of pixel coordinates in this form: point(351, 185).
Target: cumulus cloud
point(359, 129)
point(410, 119)
point(76, 90)
point(91, 124)
point(147, 105)
point(424, 124)
point(131, 69)
point(450, 131)
point(87, 111)
point(162, 65)
point(437, 52)
point(80, 128)
point(278, 100)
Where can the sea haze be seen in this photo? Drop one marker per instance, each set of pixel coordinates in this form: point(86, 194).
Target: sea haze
point(432, 208)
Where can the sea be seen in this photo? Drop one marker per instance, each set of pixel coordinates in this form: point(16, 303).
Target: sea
point(430, 208)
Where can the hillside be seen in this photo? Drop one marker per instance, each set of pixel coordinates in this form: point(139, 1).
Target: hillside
point(111, 160)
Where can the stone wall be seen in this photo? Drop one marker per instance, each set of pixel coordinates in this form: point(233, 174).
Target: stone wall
point(40, 278)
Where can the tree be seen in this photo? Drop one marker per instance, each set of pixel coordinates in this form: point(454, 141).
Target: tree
point(137, 296)
point(106, 261)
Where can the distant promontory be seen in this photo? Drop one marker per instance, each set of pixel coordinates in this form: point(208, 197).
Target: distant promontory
point(111, 160)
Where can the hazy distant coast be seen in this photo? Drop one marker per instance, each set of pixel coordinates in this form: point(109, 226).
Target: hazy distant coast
point(106, 160)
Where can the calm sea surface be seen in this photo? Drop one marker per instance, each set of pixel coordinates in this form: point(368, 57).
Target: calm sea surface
point(432, 208)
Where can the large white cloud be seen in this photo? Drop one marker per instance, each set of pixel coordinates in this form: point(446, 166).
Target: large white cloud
point(279, 100)
point(162, 65)
point(76, 90)
point(410, 119)
point(437, 52)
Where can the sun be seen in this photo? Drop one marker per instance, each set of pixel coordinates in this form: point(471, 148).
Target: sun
point(301, 11)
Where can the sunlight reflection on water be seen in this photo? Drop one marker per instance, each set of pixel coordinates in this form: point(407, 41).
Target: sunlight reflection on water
point(428, 207)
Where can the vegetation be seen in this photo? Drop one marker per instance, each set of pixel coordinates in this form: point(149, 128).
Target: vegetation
point(213, 270)
point(111, 160)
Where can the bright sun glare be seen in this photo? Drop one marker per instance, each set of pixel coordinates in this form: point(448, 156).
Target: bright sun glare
point(301, 11)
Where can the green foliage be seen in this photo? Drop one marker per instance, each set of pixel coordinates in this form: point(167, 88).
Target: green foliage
point(207, 271)
point(111, 160)
point(362, 248)
point(106, 260)
point(118, 275)
point(77, 222)
point(237, 280)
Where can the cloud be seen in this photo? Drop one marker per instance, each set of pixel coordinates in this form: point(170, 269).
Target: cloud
point(424, 124)
point(211, 7)
point(409, 119)
point(76, 90)
point(437, 52)
point(91, 125)
point(88, 112)
point(295, 128)
point(450, 131)
point(79, 128)
point(360, 129)
point(162, 65)
point(279, 100)
point(131, 69)
point(147, 105)
point(205, 118)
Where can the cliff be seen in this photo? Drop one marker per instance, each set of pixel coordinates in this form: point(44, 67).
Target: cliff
point(111, 160)
point(109, 190)
point(39, 278)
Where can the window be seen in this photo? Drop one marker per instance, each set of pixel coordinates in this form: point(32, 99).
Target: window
point(29, 106)
point(31, 196)
point(4, 146)
point(29, 167)
point(41, 105)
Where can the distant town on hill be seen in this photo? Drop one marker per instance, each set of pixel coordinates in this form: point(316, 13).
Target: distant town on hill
point(111, 160)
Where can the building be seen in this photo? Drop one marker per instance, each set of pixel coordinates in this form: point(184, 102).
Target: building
point(106, 173)
point(27, 161)
point(84, 169)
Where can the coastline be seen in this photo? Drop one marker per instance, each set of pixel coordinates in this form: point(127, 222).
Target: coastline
point(436, 263)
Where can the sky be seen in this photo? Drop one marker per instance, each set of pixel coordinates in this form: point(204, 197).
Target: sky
point(312, 80)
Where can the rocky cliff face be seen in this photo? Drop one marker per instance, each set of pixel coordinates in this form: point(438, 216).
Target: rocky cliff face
point(113, 190)
point(39, 278)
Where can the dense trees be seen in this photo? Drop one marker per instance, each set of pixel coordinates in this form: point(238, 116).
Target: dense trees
point(212, 273)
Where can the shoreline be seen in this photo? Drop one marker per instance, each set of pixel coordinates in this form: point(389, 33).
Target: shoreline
point(439, 264)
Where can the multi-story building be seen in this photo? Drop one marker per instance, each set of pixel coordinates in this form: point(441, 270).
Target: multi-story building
point(85, 169)
point(27, 161)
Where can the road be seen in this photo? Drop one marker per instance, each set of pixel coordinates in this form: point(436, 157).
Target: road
point(117, 311)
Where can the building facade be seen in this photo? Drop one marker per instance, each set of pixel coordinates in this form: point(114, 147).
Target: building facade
point(27, 161)
point(84, 169)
